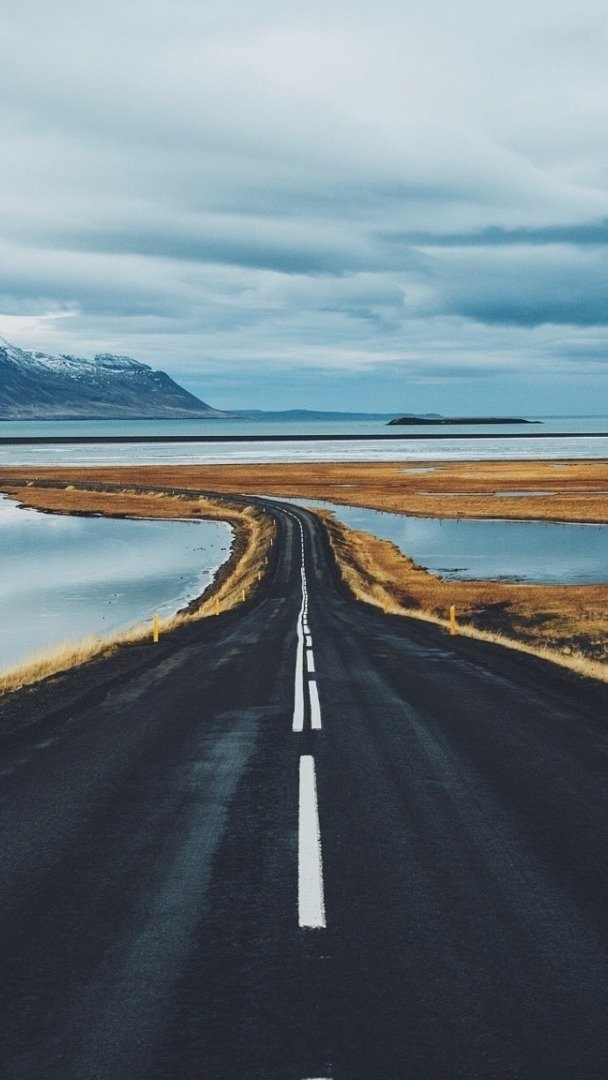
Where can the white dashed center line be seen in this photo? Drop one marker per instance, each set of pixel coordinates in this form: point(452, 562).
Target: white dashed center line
point(311, 898)
point(315, 708)
point(298, 707)
point(311, 890)
point(304, 644)
point(311, 901)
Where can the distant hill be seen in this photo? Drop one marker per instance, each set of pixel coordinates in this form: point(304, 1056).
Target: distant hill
point(36, 386)
point(306, 414)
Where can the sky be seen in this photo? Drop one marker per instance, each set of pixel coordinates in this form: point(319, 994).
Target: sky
point(363, 205)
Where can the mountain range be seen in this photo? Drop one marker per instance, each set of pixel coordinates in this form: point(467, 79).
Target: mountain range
point(35, 385)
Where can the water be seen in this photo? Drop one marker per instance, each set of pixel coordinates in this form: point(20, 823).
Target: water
point(574, 445)
point(271, 426)
point(548, 553)
point(65, 578)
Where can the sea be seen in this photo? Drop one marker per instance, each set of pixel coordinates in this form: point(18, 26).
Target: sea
point(272, 439)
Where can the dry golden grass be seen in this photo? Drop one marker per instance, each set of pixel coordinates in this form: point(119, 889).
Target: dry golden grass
point(558, 623)
point(68, 654)
point(235, 581)
point(450, 489)
point(239, 577)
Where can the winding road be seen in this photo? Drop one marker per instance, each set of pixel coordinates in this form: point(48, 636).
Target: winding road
point(301, 840)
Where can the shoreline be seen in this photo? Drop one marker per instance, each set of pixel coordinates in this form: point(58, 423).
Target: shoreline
point(233, 582)
point(565, 624)
point(569, 620)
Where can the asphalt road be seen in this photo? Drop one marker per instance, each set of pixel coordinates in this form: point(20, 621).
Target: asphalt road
point(305, 840)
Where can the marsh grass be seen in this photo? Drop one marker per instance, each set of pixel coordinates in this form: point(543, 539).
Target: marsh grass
point(545, 621)
point(575, 491)
point(68, 654)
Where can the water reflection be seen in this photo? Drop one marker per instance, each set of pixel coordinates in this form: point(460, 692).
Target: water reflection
point(528, 551)
point(65, 578)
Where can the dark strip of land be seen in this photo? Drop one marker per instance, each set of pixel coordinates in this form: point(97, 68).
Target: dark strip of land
point(76, 440)
point(459, 420)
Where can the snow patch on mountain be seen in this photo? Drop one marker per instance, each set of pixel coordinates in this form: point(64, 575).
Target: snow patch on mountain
point(39, 385)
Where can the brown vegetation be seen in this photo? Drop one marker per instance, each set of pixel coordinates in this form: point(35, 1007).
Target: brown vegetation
point(566, 624)
point(570, 490)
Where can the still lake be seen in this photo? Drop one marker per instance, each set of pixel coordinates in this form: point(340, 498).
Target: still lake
point(550, 553)
point(65, 578)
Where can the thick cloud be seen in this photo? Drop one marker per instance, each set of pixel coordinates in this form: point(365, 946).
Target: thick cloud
point(298, 199)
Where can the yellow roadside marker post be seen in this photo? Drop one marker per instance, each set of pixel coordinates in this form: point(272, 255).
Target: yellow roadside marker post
point(155, 628)
point(453, 623)
point(217, 606)
point(243, 596)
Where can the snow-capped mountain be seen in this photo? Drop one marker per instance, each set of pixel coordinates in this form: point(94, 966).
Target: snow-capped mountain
point(34, 385)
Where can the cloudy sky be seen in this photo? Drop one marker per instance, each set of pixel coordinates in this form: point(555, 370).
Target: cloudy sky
point(359, 205)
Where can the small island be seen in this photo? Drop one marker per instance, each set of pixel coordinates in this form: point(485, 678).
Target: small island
point(446, 420)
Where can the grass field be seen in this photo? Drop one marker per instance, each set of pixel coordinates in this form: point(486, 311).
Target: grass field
point(568, 490)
